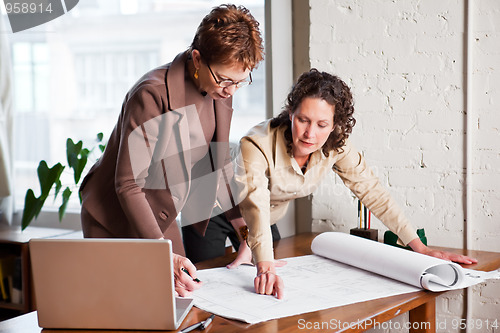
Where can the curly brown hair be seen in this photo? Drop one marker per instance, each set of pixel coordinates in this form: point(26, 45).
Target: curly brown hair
point(332, 90)
point(229, 34)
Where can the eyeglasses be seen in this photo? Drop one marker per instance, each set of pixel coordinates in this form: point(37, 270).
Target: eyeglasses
point(228, 83)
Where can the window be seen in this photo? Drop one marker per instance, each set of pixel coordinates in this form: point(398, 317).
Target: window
point(71, 75)
point(102, 77)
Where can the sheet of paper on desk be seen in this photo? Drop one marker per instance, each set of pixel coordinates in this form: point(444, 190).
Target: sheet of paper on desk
point(311, 283)
point(314, 282)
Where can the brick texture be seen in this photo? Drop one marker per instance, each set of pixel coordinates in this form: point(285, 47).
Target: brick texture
point(405, 63)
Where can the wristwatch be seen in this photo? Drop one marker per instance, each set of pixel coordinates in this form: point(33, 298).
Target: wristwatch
point(244, 232)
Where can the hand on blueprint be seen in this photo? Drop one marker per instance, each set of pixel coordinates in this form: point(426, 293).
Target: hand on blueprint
point(267, 282)
point(185, 282)
point(458, 258)
point(420, 247)
point(244, 256)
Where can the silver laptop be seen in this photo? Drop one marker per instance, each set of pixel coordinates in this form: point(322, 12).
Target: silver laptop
point(106, 284)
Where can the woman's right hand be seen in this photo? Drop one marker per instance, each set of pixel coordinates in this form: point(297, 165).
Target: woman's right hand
point(244, 256)
point(185, 283)
point(267, 282)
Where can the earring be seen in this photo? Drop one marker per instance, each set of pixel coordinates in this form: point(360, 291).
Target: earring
point(196, 74)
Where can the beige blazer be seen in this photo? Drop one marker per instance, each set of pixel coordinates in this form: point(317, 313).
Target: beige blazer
point(128, 191)
point(270, 179)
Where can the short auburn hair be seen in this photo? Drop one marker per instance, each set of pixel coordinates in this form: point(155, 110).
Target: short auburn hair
point(229, 35)
point(331, 89)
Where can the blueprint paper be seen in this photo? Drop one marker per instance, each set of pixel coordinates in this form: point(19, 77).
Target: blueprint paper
point(314, 282)
point(311, 283)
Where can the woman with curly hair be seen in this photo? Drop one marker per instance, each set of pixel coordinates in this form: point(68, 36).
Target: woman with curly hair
point(288, 156)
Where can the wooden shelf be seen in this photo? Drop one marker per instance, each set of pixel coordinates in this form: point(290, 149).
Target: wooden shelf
point(15, 242)
point(11, 306)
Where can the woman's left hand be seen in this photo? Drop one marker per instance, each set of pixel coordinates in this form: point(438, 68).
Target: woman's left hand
point(458, 258)
point(420, 247)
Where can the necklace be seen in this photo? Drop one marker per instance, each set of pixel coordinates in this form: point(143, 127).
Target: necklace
point(304, 167)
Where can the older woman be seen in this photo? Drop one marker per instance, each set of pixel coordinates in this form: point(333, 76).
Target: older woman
point(168, 152)
point(287, 157)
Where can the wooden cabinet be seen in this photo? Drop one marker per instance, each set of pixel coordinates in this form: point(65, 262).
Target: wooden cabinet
point(17, 292)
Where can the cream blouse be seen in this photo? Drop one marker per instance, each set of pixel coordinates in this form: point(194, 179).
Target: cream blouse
point(270, 178)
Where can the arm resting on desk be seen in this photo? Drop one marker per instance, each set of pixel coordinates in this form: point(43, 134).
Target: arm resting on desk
point(420, 247)
point(244, 252)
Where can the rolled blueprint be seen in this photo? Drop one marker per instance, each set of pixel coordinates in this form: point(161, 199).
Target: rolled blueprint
point(396, 263)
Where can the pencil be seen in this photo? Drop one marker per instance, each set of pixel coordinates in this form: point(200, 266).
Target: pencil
point(359, 212)
point(186, 271)
point(366, 217)
point(360, 215)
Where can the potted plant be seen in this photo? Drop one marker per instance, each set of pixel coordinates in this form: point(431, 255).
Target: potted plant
point(50, 179)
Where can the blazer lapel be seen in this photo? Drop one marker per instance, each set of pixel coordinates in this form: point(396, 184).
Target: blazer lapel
point(181, 102)
point(223, 115)
point(219, 147)
point(176, 96)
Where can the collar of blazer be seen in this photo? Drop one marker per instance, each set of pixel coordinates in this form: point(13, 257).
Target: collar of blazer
point(175, 83)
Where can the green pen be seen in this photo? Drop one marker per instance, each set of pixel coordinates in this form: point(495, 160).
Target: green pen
point(186, 271)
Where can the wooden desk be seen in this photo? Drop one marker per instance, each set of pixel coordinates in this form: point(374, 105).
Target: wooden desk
point(421, 304)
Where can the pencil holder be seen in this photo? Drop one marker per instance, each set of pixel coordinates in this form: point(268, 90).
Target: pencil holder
point(365, 233)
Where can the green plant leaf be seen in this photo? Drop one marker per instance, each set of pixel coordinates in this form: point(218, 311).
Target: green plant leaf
point(80, 166)
point(48, 177)
point(62, 209)
point(102, 148)
point(57, 188)
point(31, 209)
point(77, 158)
point(100, 136)
point(72, 152)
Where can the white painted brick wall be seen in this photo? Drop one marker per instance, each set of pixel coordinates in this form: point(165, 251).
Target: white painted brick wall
point(404, 61)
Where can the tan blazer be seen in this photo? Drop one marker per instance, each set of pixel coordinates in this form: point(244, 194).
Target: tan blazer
point(271, 178)
point(118, 192)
